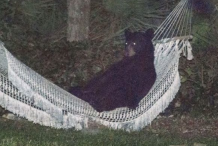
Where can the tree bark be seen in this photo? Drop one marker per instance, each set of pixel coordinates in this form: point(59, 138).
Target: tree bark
point(78, 20)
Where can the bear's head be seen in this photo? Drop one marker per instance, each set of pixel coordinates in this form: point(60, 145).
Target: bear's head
point(138, 41)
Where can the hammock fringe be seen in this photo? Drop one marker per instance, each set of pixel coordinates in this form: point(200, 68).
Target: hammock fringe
point(27, 94)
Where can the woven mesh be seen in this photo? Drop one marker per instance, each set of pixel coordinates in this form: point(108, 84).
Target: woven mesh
point(29, 95)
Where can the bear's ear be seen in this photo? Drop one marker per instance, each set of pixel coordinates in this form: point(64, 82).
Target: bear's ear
point(127, 33)
point(149, 33)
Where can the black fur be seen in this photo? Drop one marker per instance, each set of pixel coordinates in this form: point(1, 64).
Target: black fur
point(126, 82)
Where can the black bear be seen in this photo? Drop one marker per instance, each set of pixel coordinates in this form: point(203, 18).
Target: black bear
point(126, 82)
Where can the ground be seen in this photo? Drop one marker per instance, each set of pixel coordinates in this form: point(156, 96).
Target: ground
point(192, 116)
point(54, 65)
point(163, 131)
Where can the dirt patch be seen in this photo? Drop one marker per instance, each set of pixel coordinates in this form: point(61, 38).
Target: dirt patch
point(185, 126)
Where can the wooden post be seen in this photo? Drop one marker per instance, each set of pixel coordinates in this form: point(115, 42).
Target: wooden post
point(78, 20)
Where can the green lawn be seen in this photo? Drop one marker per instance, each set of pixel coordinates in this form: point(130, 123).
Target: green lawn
point(23, 133)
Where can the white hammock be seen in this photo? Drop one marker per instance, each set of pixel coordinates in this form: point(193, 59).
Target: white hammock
point(29, 95)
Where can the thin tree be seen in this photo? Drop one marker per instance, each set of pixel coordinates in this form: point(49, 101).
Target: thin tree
point(78, 20)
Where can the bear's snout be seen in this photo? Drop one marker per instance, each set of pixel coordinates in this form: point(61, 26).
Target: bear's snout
point(129, 51)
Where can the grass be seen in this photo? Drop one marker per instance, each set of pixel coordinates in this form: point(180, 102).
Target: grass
point(23, 133)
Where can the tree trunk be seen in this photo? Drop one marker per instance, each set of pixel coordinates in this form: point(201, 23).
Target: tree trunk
point(78, 20)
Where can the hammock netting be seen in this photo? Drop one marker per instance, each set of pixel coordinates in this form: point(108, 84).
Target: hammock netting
point(27, 94)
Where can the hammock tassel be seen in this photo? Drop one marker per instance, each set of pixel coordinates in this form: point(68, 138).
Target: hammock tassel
point(187, 50)
point(27, 94)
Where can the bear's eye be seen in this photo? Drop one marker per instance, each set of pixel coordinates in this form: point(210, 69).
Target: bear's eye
point(134, 43)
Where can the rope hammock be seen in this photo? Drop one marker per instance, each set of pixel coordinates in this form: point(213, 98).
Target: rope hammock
point(27, 94)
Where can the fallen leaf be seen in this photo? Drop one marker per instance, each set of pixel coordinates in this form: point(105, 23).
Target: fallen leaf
point(199, 144)
point(177, 145)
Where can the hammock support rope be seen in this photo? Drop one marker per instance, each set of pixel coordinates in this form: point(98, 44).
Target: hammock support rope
point(27, 94)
